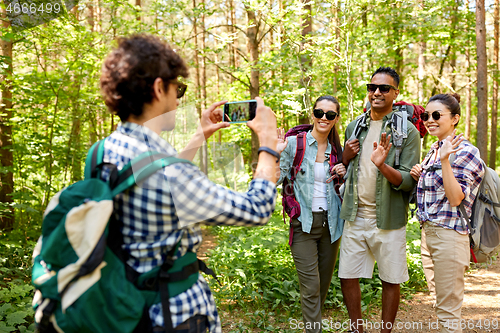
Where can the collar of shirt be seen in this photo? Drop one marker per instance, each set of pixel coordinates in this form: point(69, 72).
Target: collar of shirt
point(385, 118)
point(311, 140)
point(437, 144)
point(146, 135)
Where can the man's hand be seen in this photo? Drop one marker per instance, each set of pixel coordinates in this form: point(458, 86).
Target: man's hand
point(351, 149)
point(381, 150)
point(264, 125)
point(211, 119)
point(450, 145)
point(416, 171)
point(282, 141)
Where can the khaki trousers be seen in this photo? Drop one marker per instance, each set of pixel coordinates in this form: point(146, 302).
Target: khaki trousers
point(314, 256)
point(445, 258)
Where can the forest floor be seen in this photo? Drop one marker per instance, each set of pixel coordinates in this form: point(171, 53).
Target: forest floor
point(480, 311)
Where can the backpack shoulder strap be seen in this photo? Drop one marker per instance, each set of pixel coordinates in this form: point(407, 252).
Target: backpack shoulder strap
point(399, 127)
point(360, 123)
point(140, 168)
point(94, 158)
point(299, 154)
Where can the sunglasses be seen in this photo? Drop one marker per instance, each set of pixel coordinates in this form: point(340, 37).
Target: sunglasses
point(181, 89)
point(435, 115)
point(383, 88)
point(330, 115)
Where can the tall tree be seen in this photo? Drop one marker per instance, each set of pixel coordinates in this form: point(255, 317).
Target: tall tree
point(494, 97)
point(305, 58)
point(422, 46)
point(468, 91)
point(201, 153)
point(204, 148)
point(453, 55)
point(482, 81)
point(6, 156)
point(254, 87)
point(138, 8)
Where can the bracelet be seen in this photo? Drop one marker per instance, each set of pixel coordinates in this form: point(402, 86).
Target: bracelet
point(270, 151)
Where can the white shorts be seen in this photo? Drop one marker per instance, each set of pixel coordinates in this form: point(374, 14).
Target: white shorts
point(363, 243)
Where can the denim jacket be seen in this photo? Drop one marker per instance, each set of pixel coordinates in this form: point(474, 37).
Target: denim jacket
point(304, 185)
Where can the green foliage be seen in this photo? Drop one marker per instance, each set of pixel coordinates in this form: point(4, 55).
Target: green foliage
point(256, 267)
point(415, 270)
point(16, 292)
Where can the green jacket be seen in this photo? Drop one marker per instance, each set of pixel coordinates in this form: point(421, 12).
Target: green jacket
point(391, 201)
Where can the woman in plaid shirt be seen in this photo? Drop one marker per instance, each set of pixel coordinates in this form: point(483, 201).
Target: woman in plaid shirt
point(449, 175)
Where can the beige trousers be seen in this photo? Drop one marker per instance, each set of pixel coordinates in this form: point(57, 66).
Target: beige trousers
point(445, 258)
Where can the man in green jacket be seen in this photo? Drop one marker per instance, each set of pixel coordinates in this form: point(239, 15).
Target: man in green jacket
point(375, 206)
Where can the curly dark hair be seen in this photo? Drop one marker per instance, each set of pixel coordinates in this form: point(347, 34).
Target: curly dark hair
point(129, 72)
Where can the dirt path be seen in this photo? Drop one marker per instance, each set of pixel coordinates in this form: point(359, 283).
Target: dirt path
point(480, 311)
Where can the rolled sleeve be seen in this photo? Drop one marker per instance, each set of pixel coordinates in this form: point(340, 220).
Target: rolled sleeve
point(197, 199)
point(467, 169)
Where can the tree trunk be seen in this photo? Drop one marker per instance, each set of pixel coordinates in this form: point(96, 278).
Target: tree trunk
point(6, 157)
point(421, 71)
point(235, 40)
point(198, 78)
point(217, 77)
point(204, 147)
point(138, 4)
point(336, 69)
point(253, 50)
point(453, 57)
point(305, 59)
point(90, 17)
point(468, 96)
point(482, 81)
point(421, 87)
point(396, 33)
point(281, 39)
point(494, 103)
point(230, 28)
point(468, 91)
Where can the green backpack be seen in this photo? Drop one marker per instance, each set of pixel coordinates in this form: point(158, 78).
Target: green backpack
point(81, 279)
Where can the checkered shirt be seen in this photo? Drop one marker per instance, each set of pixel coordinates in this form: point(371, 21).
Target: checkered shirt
point(433, 205)
point(169, 206)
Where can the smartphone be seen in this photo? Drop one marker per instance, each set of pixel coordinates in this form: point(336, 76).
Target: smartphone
point(240, 112)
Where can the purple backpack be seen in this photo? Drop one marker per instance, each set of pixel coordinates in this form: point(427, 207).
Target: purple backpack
point(290, 204)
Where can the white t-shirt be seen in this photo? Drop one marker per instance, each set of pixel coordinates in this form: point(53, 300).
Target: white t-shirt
point(319, 194)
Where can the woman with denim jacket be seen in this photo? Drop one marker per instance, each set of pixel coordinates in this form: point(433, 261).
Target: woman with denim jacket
point(444, 184)
point(317, 231)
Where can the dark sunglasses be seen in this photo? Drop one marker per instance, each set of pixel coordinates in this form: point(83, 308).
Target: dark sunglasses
point(330, 115)
point(435, 115)
point(181, 89)
point(383, 88)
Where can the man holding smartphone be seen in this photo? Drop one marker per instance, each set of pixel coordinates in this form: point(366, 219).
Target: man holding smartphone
point(140, 84)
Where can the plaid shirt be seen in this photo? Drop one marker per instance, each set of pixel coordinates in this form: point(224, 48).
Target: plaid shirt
point(433, 205)
point(168, 207)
